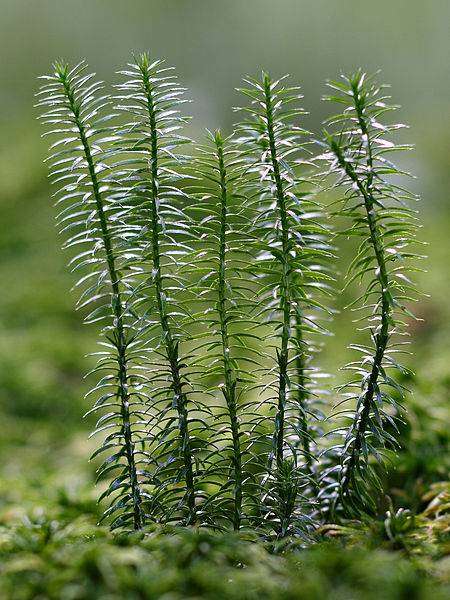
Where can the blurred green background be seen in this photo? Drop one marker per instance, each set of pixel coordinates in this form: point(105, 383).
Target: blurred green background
point(213, 43)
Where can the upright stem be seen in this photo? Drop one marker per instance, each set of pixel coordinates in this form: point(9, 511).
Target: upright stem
point(229, 389)
point(285, 302)
point(287, 489)
point(117, 305)
point(382, 337)
point(171, 345)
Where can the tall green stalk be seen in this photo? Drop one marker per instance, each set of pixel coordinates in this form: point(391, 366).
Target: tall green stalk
point(170, 344)
point(151, 88)
point(229, 390)
point(292, 245)
point(380, 216)
point(69, 100)
point(216, 265)
point(382, 336)
point(285, 282)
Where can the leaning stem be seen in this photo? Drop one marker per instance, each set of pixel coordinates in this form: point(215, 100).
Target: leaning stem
point(382, 337)
point(117, 305)
point(229, 390)
point(171, 345)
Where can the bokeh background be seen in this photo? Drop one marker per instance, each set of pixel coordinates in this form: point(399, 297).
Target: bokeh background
point(213, 43)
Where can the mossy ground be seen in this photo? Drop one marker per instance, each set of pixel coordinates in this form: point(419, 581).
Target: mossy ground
point(52, 548)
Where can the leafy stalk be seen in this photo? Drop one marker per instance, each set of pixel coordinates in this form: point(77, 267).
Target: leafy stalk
point(292, 245)
point(383, 334)
point(171, 345)
point(151, 94)
point(71, 103)
point(379, 214)
point(216, 265)
point(229, 390)
point(285, 283)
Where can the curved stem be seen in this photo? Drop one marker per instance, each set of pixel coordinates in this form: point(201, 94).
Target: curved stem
point(171, 345)
point(382, 337)
point(117, 305)
point(229, 390)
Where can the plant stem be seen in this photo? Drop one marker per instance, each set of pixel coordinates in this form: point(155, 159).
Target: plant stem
point(171, 345)
point(286, 305)
point(285, 302)
point(229, 390)
point(302, 393)
point(382, 337)
point(117, 305)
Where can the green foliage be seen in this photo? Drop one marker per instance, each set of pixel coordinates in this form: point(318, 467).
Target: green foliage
point(379, 214)
point(225, 352)
point(153, 204)
point(89, 214)
point(290, 250)
point(207, 275)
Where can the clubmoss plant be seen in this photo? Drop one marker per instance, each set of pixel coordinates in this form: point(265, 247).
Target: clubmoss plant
point(377, 207)
point(89, 216)
point(151, 97)
point(223, 347)
point(207, 273)
point(291, 248)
